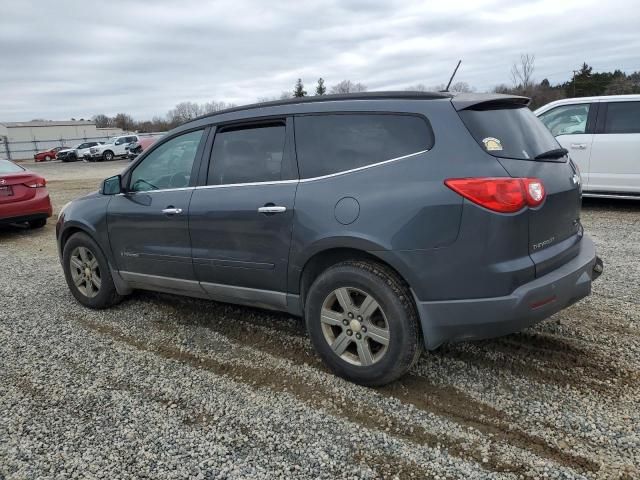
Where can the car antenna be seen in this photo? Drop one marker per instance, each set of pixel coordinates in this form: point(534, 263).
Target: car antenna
point(452, 75)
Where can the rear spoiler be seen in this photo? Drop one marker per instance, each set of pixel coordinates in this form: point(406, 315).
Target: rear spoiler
point(483, 101)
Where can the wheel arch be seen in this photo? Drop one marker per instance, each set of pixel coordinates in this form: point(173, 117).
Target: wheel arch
point(121, 286)
point(323, 259)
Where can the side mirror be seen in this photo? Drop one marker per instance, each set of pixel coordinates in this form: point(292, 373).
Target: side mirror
point(112, 185)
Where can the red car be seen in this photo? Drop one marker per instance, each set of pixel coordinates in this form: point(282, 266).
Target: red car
point(23, 196)
point(47, 155)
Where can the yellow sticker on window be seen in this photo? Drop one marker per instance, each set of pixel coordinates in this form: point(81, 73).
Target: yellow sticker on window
point(492, 144)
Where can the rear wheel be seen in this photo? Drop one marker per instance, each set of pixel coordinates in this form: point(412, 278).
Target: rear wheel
point(47, 158)
point(108, 155)
point(87, 273)
point(362, 321)
point(39, 223)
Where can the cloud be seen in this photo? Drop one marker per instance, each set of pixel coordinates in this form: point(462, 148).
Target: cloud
point(76, 58)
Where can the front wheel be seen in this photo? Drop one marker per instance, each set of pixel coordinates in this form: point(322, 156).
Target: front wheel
point(108, 156)
point(47, 158)
point(87, 272)
point(363, 323)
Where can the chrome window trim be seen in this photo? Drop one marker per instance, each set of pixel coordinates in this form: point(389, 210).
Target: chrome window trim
point(377, 164)
point(156, 191)
point(281, 182)
point(248, 184)
point(313, 179)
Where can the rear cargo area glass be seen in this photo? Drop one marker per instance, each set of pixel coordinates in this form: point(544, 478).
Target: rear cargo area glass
point(509, 132)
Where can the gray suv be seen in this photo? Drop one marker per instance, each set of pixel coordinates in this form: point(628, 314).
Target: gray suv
point(389, 221)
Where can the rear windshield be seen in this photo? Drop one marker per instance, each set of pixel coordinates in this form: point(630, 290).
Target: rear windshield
point(8, 167)
point(509, 132)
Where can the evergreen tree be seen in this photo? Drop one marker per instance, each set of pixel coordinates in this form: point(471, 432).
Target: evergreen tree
point(320, 88)
point(299, 91)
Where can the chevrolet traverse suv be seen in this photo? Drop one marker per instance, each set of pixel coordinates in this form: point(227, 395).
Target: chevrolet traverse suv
point(391, 222)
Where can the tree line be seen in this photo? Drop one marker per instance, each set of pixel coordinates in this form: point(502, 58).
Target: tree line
point(584, 82)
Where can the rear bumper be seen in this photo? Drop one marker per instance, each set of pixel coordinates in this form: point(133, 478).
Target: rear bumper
point(33, 209)
point(458, 320)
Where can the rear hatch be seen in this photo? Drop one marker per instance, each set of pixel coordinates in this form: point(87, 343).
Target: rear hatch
point(506, 129)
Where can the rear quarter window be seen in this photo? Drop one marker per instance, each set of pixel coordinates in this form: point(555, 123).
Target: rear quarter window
point(509, 132)
point(622, 117)
point(327, 144)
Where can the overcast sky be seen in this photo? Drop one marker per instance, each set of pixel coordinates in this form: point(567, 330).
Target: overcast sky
point(62, 59)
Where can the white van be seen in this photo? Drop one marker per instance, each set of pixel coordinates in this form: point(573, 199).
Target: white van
point(602, 135)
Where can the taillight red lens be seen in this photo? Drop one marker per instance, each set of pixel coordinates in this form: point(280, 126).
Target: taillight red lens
point(36, 182)
point(500, 194)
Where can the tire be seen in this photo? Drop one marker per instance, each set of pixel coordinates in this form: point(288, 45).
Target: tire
point(107, 156)
point(39, 223)
point(89, 293)
point(47, 158)
point(388, 315)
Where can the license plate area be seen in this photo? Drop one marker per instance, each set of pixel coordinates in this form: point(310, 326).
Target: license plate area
point(6, 191)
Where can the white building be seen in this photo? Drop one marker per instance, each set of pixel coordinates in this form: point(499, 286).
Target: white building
point(21, 140)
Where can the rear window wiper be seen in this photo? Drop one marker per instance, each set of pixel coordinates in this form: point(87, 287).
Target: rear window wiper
point(555, 153)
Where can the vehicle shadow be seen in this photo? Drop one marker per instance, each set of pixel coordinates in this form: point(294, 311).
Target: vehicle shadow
point(619, 205)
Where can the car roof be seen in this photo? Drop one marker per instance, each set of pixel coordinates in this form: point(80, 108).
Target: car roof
point(578, 100)
point(401, 95)
point(460, 101)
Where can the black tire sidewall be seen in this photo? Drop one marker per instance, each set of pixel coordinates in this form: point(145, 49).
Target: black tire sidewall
point(107, 293)
point(108, 156)
point(401, 325)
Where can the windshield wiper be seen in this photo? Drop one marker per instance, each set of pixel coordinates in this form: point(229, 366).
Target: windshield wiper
point(555, 153)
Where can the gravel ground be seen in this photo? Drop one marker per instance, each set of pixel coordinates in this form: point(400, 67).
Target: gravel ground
point(170, 387)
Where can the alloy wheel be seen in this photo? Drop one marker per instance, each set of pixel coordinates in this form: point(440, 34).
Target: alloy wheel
point(355, 326)
point(85, 271)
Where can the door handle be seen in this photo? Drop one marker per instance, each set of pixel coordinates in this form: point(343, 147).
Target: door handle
point(272, 209)
point(579, 146)
point(172, 211)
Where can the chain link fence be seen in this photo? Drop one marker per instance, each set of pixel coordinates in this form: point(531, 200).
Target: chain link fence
point(24, 150)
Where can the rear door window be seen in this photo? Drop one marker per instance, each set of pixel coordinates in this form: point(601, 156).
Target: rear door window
point(248, 154)
point(327, 144)
point(622, 117)
point(567, 119)
point(509, 132)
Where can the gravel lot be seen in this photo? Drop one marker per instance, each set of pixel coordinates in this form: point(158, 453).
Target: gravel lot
point(169, 387)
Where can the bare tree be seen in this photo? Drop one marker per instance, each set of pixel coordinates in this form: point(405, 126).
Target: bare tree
point(502, 88)
point(522, 74)
point(124, 121)
point(213, 106)
point(420, 87)
point(620, 86)
point(461, 87)
point(103, 121)
point(184, 112)
point(347, 86)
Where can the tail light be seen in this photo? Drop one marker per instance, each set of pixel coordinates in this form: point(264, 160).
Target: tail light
point(500, 194)
point(37, 182)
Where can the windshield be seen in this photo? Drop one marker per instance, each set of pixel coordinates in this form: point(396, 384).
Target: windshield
point(8, 167)
point(509, 132)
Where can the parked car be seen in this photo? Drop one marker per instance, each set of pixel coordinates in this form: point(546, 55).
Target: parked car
point(116, 147)
point(49, 154)
point(391, 221)
point(140, 146)
point(602, 135)
point(76, 153)
point(23, 196)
